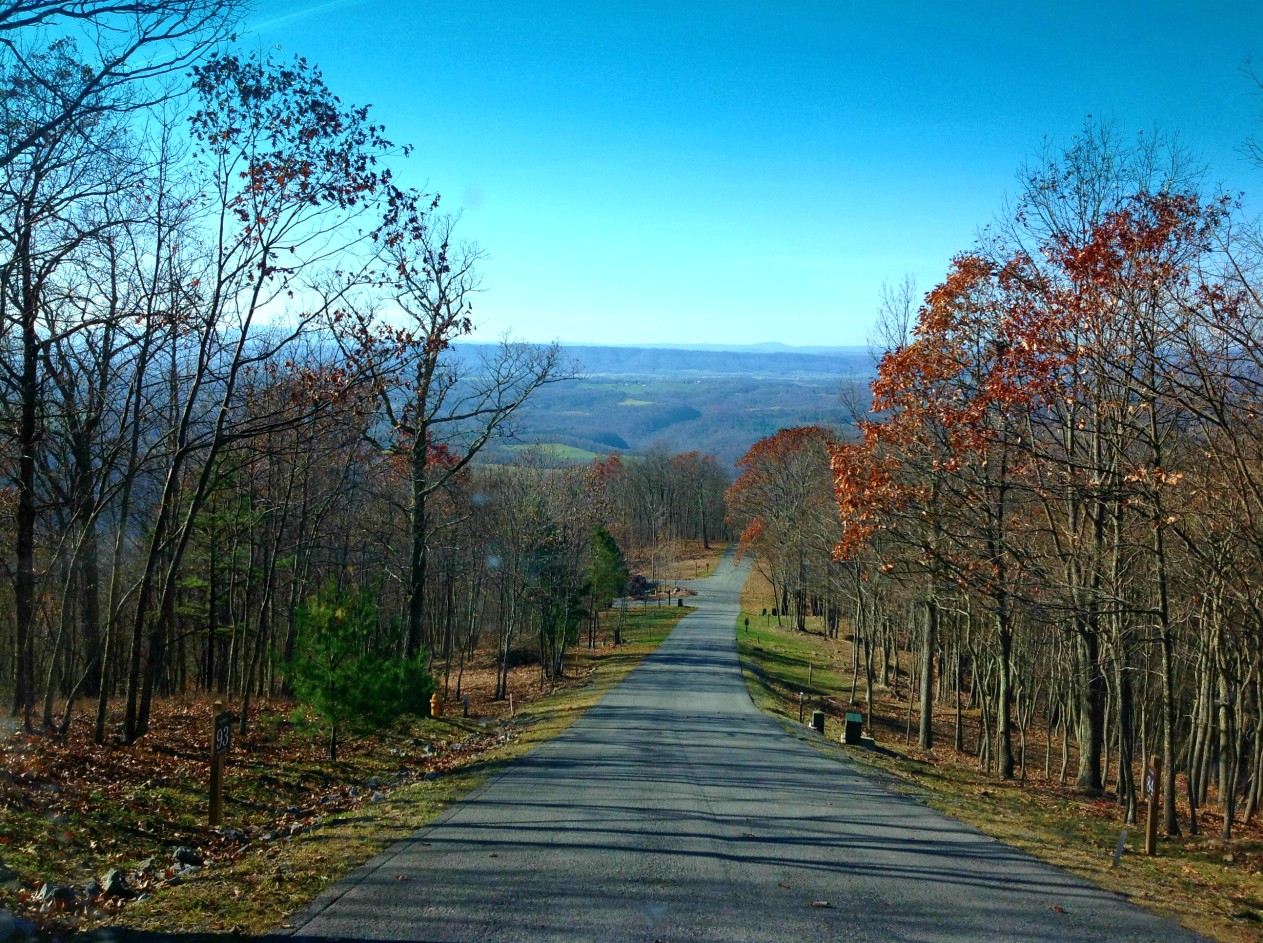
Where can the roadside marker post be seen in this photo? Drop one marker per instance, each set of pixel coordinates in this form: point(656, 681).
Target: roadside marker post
point(221, 743)
point(800, 707)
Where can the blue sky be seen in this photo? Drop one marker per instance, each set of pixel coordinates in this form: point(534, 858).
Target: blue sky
point(738, 172)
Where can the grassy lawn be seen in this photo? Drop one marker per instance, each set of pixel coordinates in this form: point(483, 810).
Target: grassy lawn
point(306, 822)
point(556, 450)
point(1213, 887)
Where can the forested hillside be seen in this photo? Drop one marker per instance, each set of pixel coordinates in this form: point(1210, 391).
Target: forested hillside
point(714, 401)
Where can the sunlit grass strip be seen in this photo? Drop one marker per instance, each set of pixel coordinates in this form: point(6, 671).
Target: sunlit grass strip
point(1191, 881)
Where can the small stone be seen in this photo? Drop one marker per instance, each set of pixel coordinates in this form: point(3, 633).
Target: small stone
point(269, 836)
point(186, 855)
point(233, 835)
point(146, 865)
point(378, 796)
point(295, 829)
point(7, 873)
point(373, 783)
point(293, 810)
point(114, 884)
point(432, 775)
point(91, 890)
point(57, 896)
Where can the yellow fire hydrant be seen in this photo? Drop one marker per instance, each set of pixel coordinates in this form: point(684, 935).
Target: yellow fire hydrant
point(436, 706)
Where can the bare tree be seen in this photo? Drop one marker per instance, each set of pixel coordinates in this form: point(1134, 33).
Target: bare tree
point(440, 405)
point(127, 52)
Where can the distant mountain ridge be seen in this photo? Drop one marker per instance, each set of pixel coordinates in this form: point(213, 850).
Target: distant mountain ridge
point(762, 347)
point(760, 361)
point(717, 400)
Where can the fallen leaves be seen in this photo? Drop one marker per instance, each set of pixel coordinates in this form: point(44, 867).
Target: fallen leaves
point(76, 811)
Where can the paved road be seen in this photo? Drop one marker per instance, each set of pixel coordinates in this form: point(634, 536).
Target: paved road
point(674, 810)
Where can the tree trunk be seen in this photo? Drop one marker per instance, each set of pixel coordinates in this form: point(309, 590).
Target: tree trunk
point(24, 543)
point(420, 545)
point(1091, 725)
point(1004, 699)
point(925, 730)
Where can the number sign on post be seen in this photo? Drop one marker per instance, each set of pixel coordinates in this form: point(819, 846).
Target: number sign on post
point(221, 743)
point(223, 733)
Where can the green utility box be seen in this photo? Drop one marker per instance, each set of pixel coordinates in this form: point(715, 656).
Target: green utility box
point(817, 721)
point(854, 728)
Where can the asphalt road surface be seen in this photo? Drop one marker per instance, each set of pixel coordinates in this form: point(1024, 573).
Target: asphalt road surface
point(675, 810)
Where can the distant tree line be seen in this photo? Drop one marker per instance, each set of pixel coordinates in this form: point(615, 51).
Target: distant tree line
point(1055, 501)
point(658, 498)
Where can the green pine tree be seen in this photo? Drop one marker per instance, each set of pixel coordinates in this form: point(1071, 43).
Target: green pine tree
point(344, 674)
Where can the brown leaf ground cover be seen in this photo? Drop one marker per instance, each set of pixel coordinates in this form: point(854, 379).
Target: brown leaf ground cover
point(72, 811)
point(1211, 885)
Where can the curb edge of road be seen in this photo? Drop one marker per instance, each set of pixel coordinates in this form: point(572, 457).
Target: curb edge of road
point(359, 874)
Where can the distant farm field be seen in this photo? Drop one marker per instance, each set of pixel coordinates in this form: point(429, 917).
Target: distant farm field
point(556, 450)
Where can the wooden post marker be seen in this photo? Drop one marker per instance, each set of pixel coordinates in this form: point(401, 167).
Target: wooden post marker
point(1153, 789)
point(221, 743)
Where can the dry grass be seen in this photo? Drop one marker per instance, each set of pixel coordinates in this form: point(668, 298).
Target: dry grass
point(681, 560)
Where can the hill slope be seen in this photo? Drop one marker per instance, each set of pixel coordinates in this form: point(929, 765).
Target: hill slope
point(714, 401)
